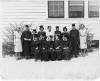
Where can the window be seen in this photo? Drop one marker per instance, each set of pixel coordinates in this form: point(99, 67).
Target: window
point(93, 9)
point(55, 9)
point(76, 9)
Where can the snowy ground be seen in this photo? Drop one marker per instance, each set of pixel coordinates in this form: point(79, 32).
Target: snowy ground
point(82, 68)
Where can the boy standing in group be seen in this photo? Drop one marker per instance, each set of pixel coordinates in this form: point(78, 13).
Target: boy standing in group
point(74, 41)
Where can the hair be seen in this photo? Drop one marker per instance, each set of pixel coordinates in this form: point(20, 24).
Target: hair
point(82, 25)
point(73, 25)
point(26, 25)
point(49, 26)
point(35, 30)
point(57, 27)
point(41, 26)
point(64, 28)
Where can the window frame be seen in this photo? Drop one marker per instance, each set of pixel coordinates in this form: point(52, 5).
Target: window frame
point(98, 11)
point(76, 17)
point(66, 10)
point(63, 9)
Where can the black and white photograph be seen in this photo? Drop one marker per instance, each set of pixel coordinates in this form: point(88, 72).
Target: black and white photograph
point(49, 39)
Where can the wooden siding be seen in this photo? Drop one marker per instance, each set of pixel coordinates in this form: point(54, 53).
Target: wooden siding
point(36, 12)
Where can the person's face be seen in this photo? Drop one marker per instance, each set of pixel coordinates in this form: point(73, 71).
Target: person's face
point(73, 27)
point(18, 29)
point(41, 29)
point(82, 26)
point(49, 28)
point(57, 29)
point(64, 30)
point(33, 32)
point(27, 28)
point(50, 38)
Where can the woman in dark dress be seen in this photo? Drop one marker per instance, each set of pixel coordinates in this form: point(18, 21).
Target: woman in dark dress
point(26, 42)
point(65, 44)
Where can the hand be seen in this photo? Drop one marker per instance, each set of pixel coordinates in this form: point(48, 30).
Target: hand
point(51, 48)
point(37, 48)
point(58, 47)
point(43, 48)
point(85, 42)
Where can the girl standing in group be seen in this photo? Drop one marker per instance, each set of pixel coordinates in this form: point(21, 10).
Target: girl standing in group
point(17, 42)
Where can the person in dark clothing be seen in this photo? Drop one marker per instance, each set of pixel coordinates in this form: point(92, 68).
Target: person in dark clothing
point(57, 32)
point(65, 44)
point(50, 39)
point(42, 34)
point(35, 45)
point(43, 52)
point(42, 44)
point(74, 41)
point(57, 47)
point(50, 49)
point(26, 38)
point(57, 43)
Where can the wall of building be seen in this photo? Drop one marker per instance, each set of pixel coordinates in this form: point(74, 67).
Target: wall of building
point(36, 12)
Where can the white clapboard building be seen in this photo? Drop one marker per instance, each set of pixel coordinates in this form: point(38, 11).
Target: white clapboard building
point(52, 13)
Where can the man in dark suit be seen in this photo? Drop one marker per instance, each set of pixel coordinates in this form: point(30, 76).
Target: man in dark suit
point(74, 41)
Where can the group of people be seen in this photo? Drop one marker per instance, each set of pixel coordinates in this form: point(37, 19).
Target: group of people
point(47, 45)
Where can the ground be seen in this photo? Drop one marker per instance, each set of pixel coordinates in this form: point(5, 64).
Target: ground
point(87, 67)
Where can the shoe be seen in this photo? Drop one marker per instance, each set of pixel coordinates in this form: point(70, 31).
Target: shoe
point(19, 58)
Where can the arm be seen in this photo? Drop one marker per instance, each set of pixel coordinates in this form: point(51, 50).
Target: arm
point(30, 37)
point(78, 37)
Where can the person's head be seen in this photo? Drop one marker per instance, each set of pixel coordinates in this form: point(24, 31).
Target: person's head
point(57, 28)
point(41, 28)
point(51, 37)
point(73, 26)
point(82, 26)
point(65, 29)
point(15, 29)
point(27, 27)
point(18, 29)
point(49, 28)
point(34, 31)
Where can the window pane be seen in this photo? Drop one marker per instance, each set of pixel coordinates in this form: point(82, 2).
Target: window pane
point(56, 2)
point(93, 9)
point(55, 9)
point(76, 9)
point(61, 3)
